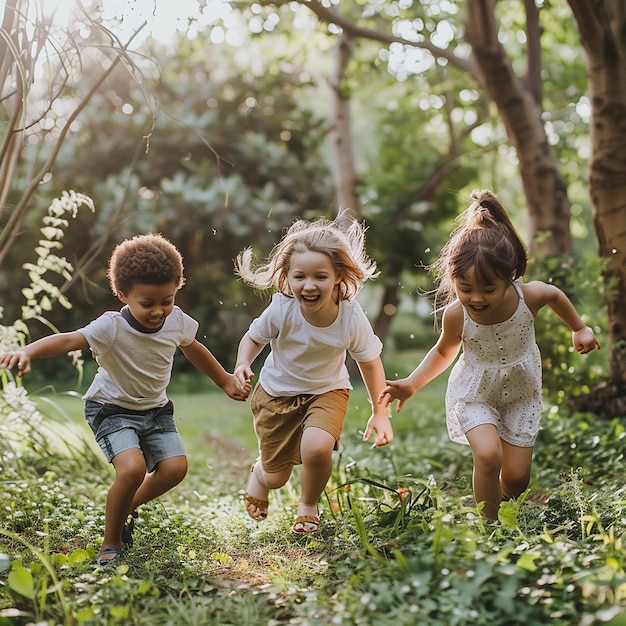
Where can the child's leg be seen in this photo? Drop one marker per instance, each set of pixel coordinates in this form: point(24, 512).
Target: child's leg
point(167, 474)
point(130, 471)
point(486, 448)
point(164, 452)
point(133, 487)
point(316, 449)
point(515, 474)
point(259, 484)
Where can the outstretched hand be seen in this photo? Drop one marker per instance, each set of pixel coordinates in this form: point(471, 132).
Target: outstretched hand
point(381, 424)
point(16, 359)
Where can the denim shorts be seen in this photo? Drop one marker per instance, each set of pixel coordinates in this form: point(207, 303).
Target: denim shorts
point(152, 431)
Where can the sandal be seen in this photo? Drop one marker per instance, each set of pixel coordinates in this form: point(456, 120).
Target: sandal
point(306, 524)
point(127, 531)
point(256, 502)
point(108, 555)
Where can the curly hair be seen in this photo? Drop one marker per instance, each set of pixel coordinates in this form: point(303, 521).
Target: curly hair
point(343, 245)
point(147, 259)
point(486, 241)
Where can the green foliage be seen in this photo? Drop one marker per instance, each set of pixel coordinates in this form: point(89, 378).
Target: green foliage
point(567, 374)
point(47, 276)
point(217, 158)
point(42, 294)
point(224, 157)
point(399, 539)
point(411, 331)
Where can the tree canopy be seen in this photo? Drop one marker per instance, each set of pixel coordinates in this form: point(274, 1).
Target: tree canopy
point(261, 112)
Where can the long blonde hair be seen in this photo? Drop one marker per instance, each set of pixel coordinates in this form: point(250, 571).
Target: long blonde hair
point(342, 242)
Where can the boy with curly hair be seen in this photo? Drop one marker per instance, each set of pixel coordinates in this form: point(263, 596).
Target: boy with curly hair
point(126, 404)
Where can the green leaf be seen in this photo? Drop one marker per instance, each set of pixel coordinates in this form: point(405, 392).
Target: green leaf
point(527, 561)
point(120, 612)
point(21, 581)
point(78, 556)
point(507, 513)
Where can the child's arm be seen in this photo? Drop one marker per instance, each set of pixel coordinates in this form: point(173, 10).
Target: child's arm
point(438, 359)
point(202, 358)
point(52, 345)
point(537, 294)
point(246, 353)
point(373, 376)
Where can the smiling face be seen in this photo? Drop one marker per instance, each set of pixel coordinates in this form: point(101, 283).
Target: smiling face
point(313, 281)
point(150, 304)
point(486, 302)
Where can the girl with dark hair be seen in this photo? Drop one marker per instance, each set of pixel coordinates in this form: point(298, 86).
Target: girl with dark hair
point(494, 393)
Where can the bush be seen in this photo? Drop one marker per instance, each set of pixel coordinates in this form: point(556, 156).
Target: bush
point(566, 374)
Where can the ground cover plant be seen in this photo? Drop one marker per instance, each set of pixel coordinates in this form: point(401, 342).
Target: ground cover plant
point(401, 542)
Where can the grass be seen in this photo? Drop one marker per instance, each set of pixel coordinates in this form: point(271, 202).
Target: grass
point(398, 544)
point(218, 432)
point(221, 444)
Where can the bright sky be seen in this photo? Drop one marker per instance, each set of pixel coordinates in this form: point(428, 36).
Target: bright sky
point(163, 17)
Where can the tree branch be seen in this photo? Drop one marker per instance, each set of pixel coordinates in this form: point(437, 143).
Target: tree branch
point(332, 16)
point(533, 33)
point(9, 232)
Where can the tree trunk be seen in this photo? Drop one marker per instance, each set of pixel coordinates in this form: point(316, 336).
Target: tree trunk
point(342, 154)
point(518, 101)
point(520, 109)
point(602, 26)
point(390, 300)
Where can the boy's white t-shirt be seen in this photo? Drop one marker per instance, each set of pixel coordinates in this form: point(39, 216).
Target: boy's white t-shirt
point(134, 366)
point(306, 358)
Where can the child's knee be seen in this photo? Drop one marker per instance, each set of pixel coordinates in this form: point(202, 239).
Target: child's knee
point(177, 468)
point(316, 454)
point(275, 480)
point(317, 446)
point(130, 475)
point(130, 468)
point(488, 459)
point(514, 483)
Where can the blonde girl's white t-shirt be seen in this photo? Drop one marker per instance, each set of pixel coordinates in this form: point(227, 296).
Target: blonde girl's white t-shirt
point(306, 358)
point(135, 367)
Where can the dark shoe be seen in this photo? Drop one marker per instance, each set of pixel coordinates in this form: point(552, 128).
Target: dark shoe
point(127, 531)
point(108, 556)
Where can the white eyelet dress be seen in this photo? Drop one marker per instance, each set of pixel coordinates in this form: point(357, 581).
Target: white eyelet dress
point(497, 379)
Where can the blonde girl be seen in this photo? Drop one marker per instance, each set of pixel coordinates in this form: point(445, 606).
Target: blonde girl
point(312, 321)
point(494, 393)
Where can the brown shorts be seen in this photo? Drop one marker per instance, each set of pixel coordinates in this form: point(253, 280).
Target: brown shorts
point(280, 421)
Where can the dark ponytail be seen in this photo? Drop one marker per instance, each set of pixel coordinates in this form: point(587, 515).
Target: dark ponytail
point(486, 206)
point(485, 241)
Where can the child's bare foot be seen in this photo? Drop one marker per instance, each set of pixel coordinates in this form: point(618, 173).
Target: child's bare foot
point(255, 499)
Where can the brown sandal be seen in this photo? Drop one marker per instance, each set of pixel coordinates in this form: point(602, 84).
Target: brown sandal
point(306, 524)
point(256, 502)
